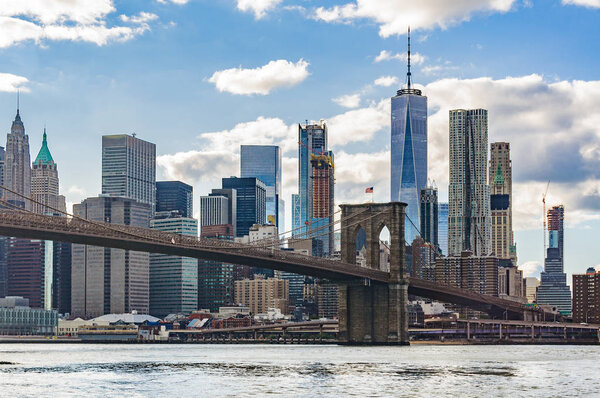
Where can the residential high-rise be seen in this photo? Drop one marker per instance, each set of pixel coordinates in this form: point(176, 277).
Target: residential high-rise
point(429, 215)
point(423, 259)
point(175, 196)
point(313, 214)
point(105, 280)
point(586, 297)
point(409, 151)
point(250, 203)
point(500, 181)
point(215, 279)
point(443, 227)
point(173, 279)
point(17, 165)
point(469, 221)
point(264, 163)
point(129, 168)
point(260, 294)
point(476, 273)
point(553, 289)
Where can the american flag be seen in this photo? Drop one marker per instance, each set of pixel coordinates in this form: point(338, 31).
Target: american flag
point(369, 190)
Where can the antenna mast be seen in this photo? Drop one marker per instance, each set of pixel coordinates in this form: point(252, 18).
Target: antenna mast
point(408, 74)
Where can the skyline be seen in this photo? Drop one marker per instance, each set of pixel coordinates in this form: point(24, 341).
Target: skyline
point(124, 100)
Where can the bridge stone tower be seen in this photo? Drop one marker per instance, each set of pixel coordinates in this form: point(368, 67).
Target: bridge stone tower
point(373, 312)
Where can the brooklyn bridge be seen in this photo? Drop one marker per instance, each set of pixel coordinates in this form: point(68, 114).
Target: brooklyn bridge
point(372, 298)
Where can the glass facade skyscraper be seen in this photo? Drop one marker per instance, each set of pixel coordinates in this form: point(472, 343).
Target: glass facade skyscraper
point(250, 204)
point(175, 196)
point(443, 227)
point(264, 163)
point(429, 215)
point(409, 152)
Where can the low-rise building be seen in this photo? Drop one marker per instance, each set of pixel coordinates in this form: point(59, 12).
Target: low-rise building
point(17, 319)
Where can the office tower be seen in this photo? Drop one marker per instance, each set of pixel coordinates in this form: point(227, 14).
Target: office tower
point(3, 242)
point(175, 196)
point(327, 299)
point(264, 163)
point(501, 201)
point(44, 183)
point(586, 297)
point(476, 273)
point(469, 221)
point(173, 279)
point(26, 271)
point(443, 228)
point(250, 204)
point(105, 280)
point(296, 214)
point(409, 151)
point(61, 277)
point(214, 210)
point(231, 195)
point(510, 279)
point(315, 189)
point(429, 215)
point(553, 290)
point(260, 294)
point(129, 168)
point(296, 285)
point(17, 166)
point(215, 279)
point(531, 285)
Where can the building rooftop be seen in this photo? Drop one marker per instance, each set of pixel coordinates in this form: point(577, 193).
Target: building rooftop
point(126, 318)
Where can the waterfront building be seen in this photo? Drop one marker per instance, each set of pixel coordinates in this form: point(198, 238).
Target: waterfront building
point(469, 221)
point(501, 201)
point(409, 151)
point(129, 168)
point(429, 215)
point(553, 289)
point(313, 207)
point(18, 319)
point(443, 228)
point(175, 196)
point(250, 202)
point(173, 279)
point(105, 280)
point(260, 294)
point(264, 163)
point(476, 273)
point(215, 279)
point(586, 297)
point(327, 299)
point(531, 285)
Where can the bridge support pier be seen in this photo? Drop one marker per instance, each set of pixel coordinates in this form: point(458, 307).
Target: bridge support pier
point(371, 312)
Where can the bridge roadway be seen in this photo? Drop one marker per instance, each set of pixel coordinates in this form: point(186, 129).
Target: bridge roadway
point(33, 226)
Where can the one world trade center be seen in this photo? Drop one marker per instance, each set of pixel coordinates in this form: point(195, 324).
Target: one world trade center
point(409, 151)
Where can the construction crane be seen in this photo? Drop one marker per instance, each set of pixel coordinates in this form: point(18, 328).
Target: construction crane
point(544, 217)
point(319, 156)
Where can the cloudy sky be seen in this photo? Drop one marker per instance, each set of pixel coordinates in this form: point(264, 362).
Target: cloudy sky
point(201, 77)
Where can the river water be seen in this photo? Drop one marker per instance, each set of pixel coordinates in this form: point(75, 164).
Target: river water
point(65, 370)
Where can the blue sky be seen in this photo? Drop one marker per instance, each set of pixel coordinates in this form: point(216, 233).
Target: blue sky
point(199, 77)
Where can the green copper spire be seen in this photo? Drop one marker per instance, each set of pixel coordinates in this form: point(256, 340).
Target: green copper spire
point(499, 180)
point(44, 155)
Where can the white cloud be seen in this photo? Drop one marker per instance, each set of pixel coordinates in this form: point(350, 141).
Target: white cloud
point(386, 81)
point(351, 181)
point(394, 16)
point(261, 80)
point(258, 7)
point(179, 2)
point(438, 69)
point(531, 269)
point(348, 101)
point(75, 20)
point(359, 125)
point(10, 83)
point(584, 3)
point(385, 55)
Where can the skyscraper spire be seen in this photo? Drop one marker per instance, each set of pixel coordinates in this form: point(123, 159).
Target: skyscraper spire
point(408, 74)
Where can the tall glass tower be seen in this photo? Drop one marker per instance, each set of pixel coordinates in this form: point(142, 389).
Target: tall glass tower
point(409, 151)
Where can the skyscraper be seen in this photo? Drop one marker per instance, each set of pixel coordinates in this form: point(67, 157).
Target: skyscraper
point(173, 279)
point(409, 151)
point(215, 279)
point(129, 168)
point(44, 183)
point(264, 163)
point(553, 289)
point(443, 227)
point(500, 181)
point(251, 202)
point(313, 212)
point(429, 215)
point(469, 221)
point(231, 195)
point(214, 210)
point(586, 297)
point(175, 196)
point(108, 280)
point(17, 166)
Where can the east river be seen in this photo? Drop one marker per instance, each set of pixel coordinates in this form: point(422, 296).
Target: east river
point(78, 370)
